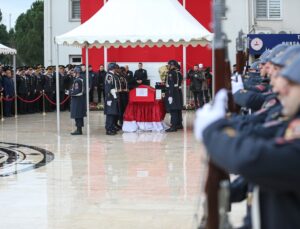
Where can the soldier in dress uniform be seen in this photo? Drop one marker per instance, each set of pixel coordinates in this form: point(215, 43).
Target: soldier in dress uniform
point(172, 98)
point(62, 86)
point(49, 88)
point(31, 79)
point(78, 102)
point(130, 78)
point(140, 75)
point(39, 88)
point(22, 90)
point(272, 164)
point(93, 85)
point(124, 93)
point(111, 108)
point(180, 77)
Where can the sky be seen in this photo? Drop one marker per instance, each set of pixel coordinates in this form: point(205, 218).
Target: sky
point(15, 8)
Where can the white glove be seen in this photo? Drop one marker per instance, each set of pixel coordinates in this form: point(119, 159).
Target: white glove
point(210, 113)
point(67, 92)
point(170, 99)
point(113, 92)
point(109, 103)
point(236, 83)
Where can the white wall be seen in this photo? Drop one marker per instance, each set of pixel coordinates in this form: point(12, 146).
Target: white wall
point(57, 22)
point(236, 19)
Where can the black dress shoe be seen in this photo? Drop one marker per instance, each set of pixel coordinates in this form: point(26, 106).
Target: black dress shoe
point(180, 127)
point(77, 132)
point(172, 129)
point(109, 132)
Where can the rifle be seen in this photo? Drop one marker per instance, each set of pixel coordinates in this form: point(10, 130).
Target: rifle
point(222, 76)
point(240, 54)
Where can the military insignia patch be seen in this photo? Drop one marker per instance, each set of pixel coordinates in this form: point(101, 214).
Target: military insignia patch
point(230, 132)
point(293, 130)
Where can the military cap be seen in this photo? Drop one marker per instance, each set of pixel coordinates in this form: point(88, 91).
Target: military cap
point(77, 69)
point(292, 71)
point(173, 63)
point(112, 66)
point(262, 58)
point(276, 51)
point(287, 56)
point(254, 66)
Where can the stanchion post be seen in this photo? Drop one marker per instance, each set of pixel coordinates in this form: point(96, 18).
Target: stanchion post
point(2, 116)
point(44, 110)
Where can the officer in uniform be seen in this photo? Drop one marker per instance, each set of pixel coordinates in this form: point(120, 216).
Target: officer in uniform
point(272, 164)
point(93, 85)
point(129, 77)
point(172, 98)
point(78, 102)
point(9, 91)
point(49, 88)
point(180, 77)
point(111, 108)
point(140, 75)
point(22, 90)
point(123, 93)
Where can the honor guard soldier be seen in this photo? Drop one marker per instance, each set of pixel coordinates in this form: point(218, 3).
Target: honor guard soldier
point(271, 164)
point(124, 93)
point(111, 108)
point(172, 98)
point(78, 102)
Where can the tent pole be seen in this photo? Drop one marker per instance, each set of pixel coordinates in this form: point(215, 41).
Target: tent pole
point(213, 69)
point(184, 67)
point(15, 85)
point(57, 92)
point(184, 77)
point(105, 49)
point(87, 88)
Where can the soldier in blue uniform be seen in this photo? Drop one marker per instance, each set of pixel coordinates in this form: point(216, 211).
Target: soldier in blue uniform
point(172, 97)
point(78, 102)
point(9, 91)
point(111, 107)
point(49, 88)
point(271, 164)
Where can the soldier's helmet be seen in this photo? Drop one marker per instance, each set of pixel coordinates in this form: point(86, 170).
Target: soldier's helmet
point(112, 66)
point(292, 71)
point(173, 63)
point(276, 51)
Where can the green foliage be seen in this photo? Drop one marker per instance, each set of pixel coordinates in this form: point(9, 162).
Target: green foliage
point(4, 39)
point(29, 35)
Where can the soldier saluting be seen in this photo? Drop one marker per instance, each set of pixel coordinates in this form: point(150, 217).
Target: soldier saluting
point(78, 102)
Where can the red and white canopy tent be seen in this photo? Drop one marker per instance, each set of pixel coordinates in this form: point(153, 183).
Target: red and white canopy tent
point(147, 23)
point(4, 50)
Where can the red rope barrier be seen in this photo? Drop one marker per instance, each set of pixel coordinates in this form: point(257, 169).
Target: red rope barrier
point(54, 103)
point(30, 101)
point(50, 101)
point(9, 99)
point(65, 100)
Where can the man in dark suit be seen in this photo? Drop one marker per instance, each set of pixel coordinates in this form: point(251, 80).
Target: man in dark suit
point(140, 75)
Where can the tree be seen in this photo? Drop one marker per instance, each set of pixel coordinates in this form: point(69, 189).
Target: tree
point(29, 35)
point(4, 39)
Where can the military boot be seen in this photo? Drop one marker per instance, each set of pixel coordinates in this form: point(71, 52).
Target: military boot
point(78, 131)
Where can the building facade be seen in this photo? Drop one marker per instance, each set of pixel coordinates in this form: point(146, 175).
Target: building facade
point(60, 17)
point(260, 17)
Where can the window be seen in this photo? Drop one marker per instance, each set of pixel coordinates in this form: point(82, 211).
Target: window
point(75, 10)
point(268, 9)
point(75, 59)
